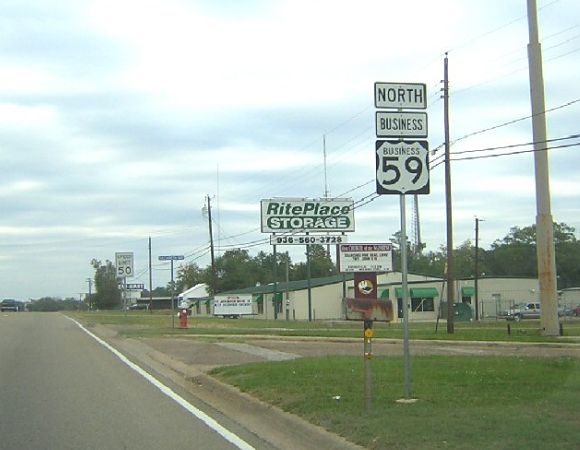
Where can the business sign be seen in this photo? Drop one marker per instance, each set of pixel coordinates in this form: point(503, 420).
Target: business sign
point(307, 239)
point(307, 215)
point(402, 124)
point(402, 167)
point(232, 305)
point(401, 95)
point(365, 305)
point(365, 258)
point(124, 264)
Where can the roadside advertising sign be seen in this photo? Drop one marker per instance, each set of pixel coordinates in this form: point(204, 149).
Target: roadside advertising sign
point(281, 215)
point(365, 305)
point(306, 239)
point(232, 305)
point(365, 257)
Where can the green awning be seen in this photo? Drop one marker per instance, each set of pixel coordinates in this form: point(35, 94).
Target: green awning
point(399, 292)
point(467, 291)
point(277, 297)
point(384, 294)
point(424, 293)
point(418, 292)
point(260, 299)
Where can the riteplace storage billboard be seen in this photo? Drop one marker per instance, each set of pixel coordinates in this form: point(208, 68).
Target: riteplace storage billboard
point(307, 215)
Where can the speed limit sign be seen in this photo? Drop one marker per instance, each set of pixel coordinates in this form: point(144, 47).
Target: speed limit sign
point(402, 167)
point(124, 264)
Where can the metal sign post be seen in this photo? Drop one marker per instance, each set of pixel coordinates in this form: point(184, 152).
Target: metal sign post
point(172, 258)
point(405, 300)
point(402, 167)
point(368, 355)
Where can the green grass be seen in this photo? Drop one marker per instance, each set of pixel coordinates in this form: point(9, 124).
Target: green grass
point(143, 324)
point(463, 402)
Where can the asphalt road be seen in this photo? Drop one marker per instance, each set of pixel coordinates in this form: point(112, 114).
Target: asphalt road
point(62, 389)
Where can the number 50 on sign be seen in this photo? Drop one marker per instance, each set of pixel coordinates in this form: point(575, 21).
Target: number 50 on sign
point(402, 167)
point(124, 264)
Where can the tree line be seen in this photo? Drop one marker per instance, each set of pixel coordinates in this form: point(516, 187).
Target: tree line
point(513, 255)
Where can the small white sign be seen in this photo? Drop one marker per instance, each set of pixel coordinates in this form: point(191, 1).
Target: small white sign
point(307, 239)
point(232, 305)
point(401, 95)
point(402, 124)
point(402, 167)
point(365, 257)
point(124, 264)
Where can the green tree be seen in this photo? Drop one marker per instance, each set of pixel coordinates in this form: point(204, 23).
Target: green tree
point(321, 264)
point(188, 276)
point(107, 295)
point(234, 269)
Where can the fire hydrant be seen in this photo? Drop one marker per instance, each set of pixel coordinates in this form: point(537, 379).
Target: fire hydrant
point(183, 318)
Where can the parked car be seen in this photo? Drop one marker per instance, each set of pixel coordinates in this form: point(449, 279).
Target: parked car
point(138, 306)
point(565, 311)
point(523, 311)
point(577, 311)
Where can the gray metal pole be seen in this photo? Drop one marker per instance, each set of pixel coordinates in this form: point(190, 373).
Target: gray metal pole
point(405, 299)
point(544, 222)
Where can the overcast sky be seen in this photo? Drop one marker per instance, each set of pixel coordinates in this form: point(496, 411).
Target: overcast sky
point(117, 118)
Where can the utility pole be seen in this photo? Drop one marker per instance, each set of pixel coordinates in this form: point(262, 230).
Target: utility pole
point(544, 222)
point(450, 265)
point(476, 277)
point(213, 269)
point(90, 281)
point(150, 280)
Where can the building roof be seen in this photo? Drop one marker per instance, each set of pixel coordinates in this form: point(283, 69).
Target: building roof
point(292, 285)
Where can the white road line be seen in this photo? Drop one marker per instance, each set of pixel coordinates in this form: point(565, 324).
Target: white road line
point(209, 421)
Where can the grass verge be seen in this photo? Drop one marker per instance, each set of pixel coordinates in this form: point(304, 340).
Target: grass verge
point(463, 402)
point(160, 323)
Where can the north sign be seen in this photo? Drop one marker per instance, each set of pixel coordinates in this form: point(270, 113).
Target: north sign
point(401, 124)
point(402, 167)
point(401, 95)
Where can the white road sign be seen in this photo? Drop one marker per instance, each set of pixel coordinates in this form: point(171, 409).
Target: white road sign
point(401, 95)
point(124, 264)
point(401, 124)
point(365, 257)
point(402, 167)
